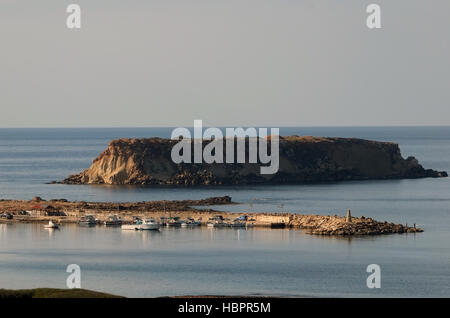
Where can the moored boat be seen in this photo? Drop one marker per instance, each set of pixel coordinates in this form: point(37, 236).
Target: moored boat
point(87, 220)
point(216, 221)
point(173, 221)
point(241, 222)
point(141, 225)
point(149, 224)
point(51, 225)
point(190, 222)
point(163, 221)
point(113, 221)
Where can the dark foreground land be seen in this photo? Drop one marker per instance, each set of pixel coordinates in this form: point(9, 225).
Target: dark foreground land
point(52, 293)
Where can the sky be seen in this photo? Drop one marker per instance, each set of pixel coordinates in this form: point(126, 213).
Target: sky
point(142, 63)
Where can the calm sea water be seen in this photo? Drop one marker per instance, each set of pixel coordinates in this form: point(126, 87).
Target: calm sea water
point(240, 262)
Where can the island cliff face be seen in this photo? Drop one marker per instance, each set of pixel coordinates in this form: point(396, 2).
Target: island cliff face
point(301, 160)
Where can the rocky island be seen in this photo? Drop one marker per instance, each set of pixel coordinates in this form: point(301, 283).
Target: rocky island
point(301, 160)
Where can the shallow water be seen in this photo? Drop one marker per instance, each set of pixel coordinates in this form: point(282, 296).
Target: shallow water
point(229, 261)
point(219, 261)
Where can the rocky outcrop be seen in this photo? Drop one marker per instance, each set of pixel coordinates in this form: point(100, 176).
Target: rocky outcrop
point(125, 207)
point(336, 225)
point(302, 160)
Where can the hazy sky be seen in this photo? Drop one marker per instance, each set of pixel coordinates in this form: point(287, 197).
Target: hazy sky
point(228, 62)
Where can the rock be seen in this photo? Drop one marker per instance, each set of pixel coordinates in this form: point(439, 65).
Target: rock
point(324, 225)
point(302, 160)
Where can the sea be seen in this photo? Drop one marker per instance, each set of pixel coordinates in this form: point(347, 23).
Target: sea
point(203, 261)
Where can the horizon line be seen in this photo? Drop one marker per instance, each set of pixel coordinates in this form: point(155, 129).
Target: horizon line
point(227, 126)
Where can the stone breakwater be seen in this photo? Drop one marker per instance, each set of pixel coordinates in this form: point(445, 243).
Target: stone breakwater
point(336, 225)
point(69, 212)
point(301, 160)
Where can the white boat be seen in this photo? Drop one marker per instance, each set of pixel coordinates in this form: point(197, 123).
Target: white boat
point(138, 224)
point(149, 224)
point(51, 225)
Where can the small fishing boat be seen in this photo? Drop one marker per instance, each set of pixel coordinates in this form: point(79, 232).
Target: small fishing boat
point(141, 225)
point(87, 220)
point(216, 221)
point(190, 222)
point(240, 222)
point(149, 224)
point(173, 221)
point(113, 221)
point(7, 216)
point(51, 225)
point(163, 221)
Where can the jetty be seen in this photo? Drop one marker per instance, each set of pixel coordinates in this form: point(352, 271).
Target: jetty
point(64, 211)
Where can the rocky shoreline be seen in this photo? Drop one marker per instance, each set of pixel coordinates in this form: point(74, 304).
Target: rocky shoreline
point(39, 210)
